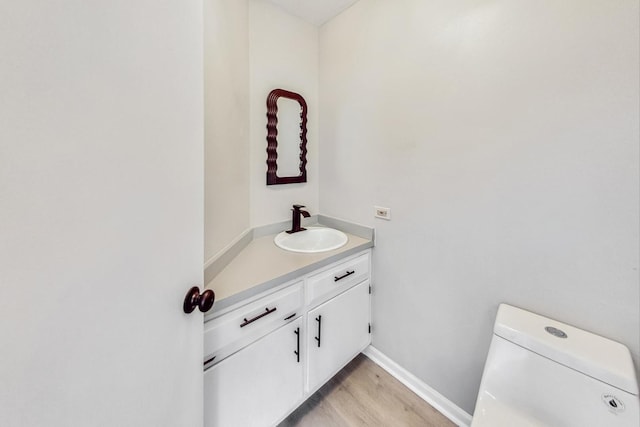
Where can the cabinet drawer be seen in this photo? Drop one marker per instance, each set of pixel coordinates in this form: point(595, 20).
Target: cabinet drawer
point(336, 279)
point(236, 329)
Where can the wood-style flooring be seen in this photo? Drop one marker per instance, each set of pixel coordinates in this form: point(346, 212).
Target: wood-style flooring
point(363, 394)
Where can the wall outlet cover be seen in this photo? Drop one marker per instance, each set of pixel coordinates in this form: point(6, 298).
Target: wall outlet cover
point(382, 212)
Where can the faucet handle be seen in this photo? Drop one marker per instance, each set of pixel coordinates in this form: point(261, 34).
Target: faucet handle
point(298, 207)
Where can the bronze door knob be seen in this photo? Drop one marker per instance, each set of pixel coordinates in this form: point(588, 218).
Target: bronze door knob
point(204, 301)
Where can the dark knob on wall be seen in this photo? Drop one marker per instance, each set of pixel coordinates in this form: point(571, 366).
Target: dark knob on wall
point(204, 301)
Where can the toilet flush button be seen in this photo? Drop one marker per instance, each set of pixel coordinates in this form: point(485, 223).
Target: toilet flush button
point(556, 332)
point(614, 404)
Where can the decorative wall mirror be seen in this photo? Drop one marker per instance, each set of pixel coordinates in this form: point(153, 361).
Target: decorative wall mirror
point(286, 137)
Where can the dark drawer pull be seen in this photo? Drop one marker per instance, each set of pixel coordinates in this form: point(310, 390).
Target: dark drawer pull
point(289, 317)
point(319, 320)
point(297, 351)
point(209, 360)
point(259, 316)
point(347, 274)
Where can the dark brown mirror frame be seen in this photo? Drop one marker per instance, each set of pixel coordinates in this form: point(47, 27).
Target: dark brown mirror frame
point(272, 141)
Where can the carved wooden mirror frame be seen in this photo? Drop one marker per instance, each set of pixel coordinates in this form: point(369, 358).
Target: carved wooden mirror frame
point(272, 141)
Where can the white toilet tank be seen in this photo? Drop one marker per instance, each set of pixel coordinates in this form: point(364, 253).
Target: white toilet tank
point(540, 372)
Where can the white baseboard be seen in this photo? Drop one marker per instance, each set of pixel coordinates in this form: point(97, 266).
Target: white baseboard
point(428, 394)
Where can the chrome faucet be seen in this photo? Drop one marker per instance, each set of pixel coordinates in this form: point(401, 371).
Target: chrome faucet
point(295, 218)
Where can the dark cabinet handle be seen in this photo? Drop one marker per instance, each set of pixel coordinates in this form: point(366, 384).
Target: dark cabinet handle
point(347, 274)
point(297, 351)
point(204, 301)
point(259, 316)
point(319, 320)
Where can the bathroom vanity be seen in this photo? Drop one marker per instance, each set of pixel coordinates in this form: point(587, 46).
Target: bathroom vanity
point(287, 325)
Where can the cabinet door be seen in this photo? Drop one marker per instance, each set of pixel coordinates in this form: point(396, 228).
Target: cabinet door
point(258, 385)
point(337, 331)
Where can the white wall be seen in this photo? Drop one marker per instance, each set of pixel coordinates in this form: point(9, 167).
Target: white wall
point(283, 54)
point(226, 80)
point(504, 137)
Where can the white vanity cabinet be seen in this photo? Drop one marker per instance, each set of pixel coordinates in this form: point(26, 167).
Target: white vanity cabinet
point(262, 359)
point(258, 384)
point(336, 332)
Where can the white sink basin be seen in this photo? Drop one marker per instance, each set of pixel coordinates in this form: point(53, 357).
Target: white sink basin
point(311, 240)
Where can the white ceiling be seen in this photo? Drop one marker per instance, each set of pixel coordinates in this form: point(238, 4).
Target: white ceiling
point(315, 11)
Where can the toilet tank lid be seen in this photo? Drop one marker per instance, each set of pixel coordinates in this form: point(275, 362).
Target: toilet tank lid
point(593, 355)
